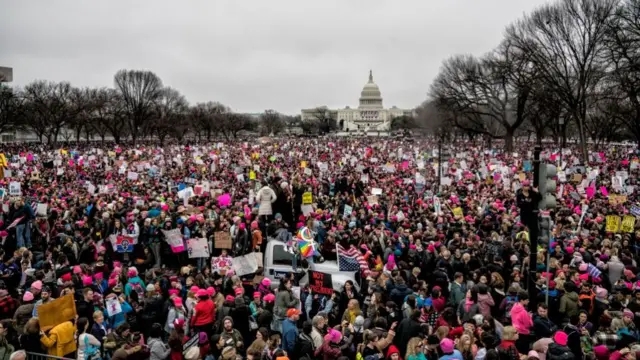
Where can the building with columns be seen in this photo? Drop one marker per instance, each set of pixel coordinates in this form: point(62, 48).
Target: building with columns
point(369, 116)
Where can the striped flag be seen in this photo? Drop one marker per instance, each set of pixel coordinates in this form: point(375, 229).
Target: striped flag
point(15, 222)
point(351, 260)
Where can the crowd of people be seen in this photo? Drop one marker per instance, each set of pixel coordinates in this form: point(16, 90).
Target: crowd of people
point(444, 264)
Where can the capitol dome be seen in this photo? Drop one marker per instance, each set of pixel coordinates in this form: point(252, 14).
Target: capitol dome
point(370, 97)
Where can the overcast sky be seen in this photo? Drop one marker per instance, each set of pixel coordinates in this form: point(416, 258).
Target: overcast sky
point(253, 55)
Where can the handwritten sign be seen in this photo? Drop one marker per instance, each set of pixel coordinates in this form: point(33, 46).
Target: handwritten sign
point(14, 188)
point(174, 239)
point(628, 224)
point(113, 306)
point(613, 223)
point(222, 240)
point(617, 199)
point(320, 283)
point(198, 248)
point(458, 212)
point(307, 198)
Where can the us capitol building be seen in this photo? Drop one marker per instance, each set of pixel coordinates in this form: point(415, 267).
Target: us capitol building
point(369, 116)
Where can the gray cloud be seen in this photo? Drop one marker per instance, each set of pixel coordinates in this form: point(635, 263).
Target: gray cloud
point(253, 54)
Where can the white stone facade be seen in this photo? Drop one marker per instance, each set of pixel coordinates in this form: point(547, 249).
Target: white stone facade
point(369, 116)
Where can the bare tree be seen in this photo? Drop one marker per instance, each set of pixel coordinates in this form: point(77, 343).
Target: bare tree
point(566, 41)
point(50, 107)
point(271, 122)
point(140, 91)
point(11, 109)
point(170, 115)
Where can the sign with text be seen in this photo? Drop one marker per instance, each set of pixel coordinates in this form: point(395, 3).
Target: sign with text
point(222, 240)
point(56, 312)
point(320, 283)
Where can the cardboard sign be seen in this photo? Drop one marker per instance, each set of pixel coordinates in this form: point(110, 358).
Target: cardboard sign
point(56, 312)
point(222, 240)
point(617, 199)
point(628, 224)
point(307, 198)
point(613, 223)
point(198, 248)
point(320, 283)
point(244, 265)
point(41, 210)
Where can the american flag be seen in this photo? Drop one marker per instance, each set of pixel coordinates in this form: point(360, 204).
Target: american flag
point(15, 223)
point(351, 260)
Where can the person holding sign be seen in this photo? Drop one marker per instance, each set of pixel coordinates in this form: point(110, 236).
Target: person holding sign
point(60, 340)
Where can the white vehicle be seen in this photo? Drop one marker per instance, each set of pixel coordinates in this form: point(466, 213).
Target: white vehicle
point(278, 262)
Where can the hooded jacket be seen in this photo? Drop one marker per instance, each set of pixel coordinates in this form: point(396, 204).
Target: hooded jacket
point(569, 304)
point(393, 350)
point(521, 319)
point(559, 352)
point(129, 286)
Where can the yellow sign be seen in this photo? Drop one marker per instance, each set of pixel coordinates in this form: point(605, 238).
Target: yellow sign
point(303, 164)
point(458, 212)
point(3, 161)
point(111, 153)
point(252, 175)
point(56, 312)
point(307, 198)
point(617, 199)
point(522, 176)
point(628, 224)
point(613, 223)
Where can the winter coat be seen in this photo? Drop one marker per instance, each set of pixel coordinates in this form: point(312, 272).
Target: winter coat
point(328, 351)
point(60, 340)
point(569, 304)
point(485, 302)
point(289, 335)
point(457, 294)
point(559, 352)
point(22, 315)
point(266, 196)
point(521, 319)
point(158, 350)
point(399, 293)
point(543, 327)
point(466, 315)
point(284, 302)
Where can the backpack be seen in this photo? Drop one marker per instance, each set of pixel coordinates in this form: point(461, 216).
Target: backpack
point(508, 302)
point(137, 288)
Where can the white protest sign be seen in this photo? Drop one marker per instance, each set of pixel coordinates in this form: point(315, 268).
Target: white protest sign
point(198, 248)
point(244, 265)
point(132, 175)
point(41, 210)
point(113, 306)
point(174, 239)
point(14, 188)
point(376, 191)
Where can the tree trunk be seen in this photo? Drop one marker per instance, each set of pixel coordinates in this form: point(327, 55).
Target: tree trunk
point(508, 140)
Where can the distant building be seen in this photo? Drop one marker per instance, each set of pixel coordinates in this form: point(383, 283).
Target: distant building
point(369, 116)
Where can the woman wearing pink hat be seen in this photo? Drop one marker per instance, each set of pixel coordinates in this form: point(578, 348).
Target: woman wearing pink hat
point(177, 311)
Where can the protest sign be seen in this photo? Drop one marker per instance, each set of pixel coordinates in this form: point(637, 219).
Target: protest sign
point(628, 224)
point(14, 188)
point(307, 198)
point(372, 200)
point(244, 265)
point(320, 283)
point(222, 240)
point(174, 239)
point(613, 223)
point(41, 209)
point(617, 199)
point(197, 248)
point(113, 306)
point(306, 209)
point(221, 264)
point(376, 191)
point(56, 312)
point(635, 210)
point(458, 212)
point(347, 211)
point(132, 175)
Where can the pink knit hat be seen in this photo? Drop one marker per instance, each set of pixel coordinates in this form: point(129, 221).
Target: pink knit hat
point(28, 296)
point(211, 291)
point(561, 338)
point(269, 298)
point(77, 269)
point(87, 280)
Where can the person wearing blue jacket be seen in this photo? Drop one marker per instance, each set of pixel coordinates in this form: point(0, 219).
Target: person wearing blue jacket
point(120, 318)
point(134, 283)
point(290, 330)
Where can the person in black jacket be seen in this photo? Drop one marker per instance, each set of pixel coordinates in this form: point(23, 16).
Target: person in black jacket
point(304, 347)
point(542, 325)
point(407, 329)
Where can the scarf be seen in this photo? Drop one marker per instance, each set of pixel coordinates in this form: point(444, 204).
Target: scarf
point(467, 304)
